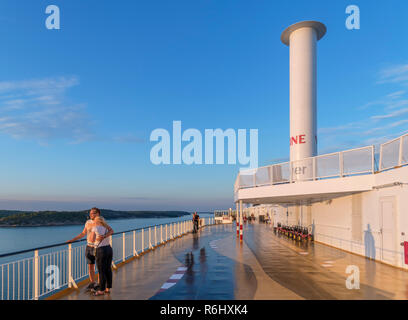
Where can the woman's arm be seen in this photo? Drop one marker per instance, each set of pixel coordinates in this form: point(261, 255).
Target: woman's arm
point(108, 234)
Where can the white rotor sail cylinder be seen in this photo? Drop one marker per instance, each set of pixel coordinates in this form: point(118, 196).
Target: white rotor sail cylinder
point(301, 39)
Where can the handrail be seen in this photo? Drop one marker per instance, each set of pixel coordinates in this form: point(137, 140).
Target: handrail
point(77, 241)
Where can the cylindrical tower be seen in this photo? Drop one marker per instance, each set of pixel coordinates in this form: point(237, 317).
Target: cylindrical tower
point(301, 39)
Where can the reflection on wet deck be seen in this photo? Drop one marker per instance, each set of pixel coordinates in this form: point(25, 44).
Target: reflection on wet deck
point(214, 265)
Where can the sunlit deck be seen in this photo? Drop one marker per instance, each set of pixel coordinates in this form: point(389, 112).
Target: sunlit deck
point(214, 265)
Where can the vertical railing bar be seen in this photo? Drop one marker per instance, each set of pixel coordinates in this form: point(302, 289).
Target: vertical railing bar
point(123, 247)
point(155, 237)
point(8, 281)
point(36, 275)
point(400, 152)
point(69, 265)
point(23, 279)
point(28, 282)
point(134, 242)
point(2, 282)
point(18, 280)
point(142, 240)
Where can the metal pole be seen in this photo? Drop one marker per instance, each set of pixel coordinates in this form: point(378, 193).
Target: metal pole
point(134, 243)
point(241, 221)
point(237, 218)
point(123, 246)
point(69, 265)
point(150, 240)
point(400, 152)
point(372, 160)
point(36, 276)
point(142, 240)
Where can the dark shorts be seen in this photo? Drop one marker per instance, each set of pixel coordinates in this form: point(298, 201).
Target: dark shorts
point(90, 255)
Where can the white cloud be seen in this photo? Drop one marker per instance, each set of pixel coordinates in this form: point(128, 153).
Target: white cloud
point(394, 74)
point(386, 117)
point(39, 110)
point(391, 114)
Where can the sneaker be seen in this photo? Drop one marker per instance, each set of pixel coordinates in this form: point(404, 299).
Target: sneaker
point(96, 288)
point(90, 286)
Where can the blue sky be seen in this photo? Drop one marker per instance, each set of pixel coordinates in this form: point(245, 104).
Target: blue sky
point(77, 105)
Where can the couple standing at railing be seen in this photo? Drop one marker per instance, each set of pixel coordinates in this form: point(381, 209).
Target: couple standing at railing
point(98, 250)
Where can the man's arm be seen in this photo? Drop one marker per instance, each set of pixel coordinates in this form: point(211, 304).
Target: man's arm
point(79, 236)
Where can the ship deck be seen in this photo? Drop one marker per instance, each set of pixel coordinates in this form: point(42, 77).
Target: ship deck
point(214, 265)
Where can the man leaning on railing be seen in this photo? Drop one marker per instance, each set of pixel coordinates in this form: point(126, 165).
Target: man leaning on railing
point(90, 251)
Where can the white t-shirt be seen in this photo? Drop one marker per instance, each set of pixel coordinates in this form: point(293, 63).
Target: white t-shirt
point(101, 231)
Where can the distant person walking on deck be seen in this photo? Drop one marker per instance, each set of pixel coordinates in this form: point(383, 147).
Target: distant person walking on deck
point(196, 220)
point(100, 236)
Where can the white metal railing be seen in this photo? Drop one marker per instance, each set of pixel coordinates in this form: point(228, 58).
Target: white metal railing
point(394, 153)
point(338, 164)
point(44, 271)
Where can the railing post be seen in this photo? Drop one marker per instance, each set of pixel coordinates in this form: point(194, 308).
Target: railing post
point(69, 265)
point(134, 242)
point(166, 233)
point(254, 179)
point(372, 160)
point(36, 276)
point(341, 164)
point(161, 233)
point(380, 163)
point(241, 231)
point(150, 239)
point(123, 246)
point(400, 152)
point(155, 236)
point(290, 172)
point(142, 240)
point(314, 168)
point(270, 174)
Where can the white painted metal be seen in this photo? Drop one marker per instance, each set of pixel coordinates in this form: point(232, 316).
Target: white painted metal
point(302, 38)
point(123, 247)
point(387, 230)
point(24, 279)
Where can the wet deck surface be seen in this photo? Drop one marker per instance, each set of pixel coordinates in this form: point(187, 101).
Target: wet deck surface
point(214, 265)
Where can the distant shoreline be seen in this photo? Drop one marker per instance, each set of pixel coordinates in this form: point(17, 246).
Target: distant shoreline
point(60, 219)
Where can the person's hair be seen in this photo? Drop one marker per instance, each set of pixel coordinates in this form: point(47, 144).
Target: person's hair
point(101, 221)
point(97, 210)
